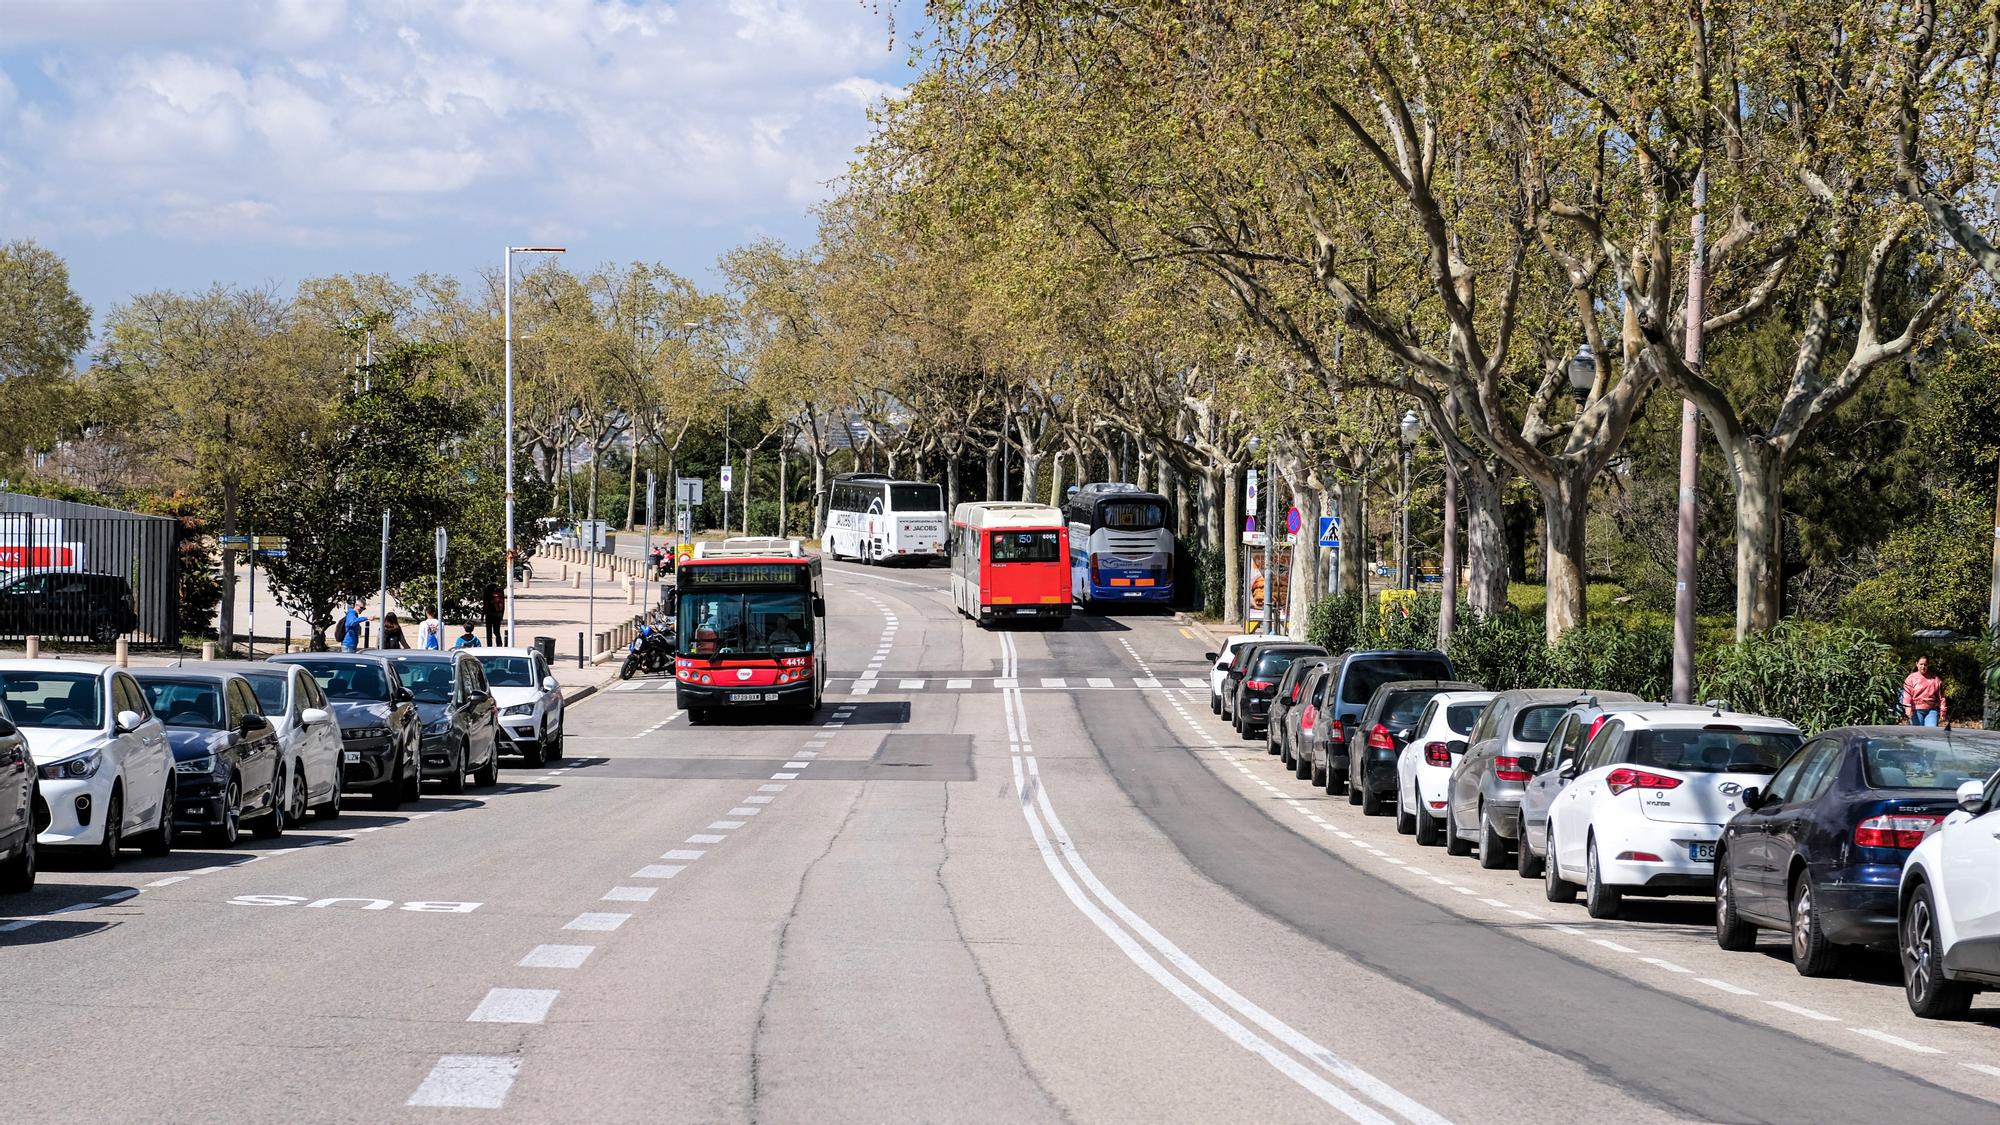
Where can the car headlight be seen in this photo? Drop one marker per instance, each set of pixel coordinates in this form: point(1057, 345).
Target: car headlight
point(367, 732)
point(520, 709)
point(441, 726)
point(73, 769)
point(203, 764)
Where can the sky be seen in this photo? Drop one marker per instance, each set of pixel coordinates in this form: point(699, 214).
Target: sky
point(172, 144)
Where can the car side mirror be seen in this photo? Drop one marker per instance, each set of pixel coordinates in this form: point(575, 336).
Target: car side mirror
point(402, 695)
point(549, 683)
point(1455, 747)
point(1569, 770)
point(254, 724)
point(819, 606)
point(1527, 763)
point(1972, 796)
point(1404, 734)
point(1208, 656)
point(1752, 797)
point(128, 721)
point(313, 715)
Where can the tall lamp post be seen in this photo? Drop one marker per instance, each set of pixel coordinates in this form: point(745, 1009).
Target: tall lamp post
point(507, 271)
point(1409, 429)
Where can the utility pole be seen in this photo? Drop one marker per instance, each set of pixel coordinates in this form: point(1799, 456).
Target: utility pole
point(1270, 533)
point(1448, 594)
point(383, 614)
point(1684, 572)
point(1993, 614)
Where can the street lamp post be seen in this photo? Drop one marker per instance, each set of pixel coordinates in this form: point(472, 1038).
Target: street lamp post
point(507, 272)
point(1409, 429)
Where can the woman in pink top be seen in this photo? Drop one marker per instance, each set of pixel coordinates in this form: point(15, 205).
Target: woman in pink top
point(1923, 695)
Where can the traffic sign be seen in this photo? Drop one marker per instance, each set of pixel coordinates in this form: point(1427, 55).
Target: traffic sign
point(1250, 489)
point(271, 542)
point(272, 552)
point(443, 541)
point(1249, 524)
point(232, 542)
point(689, 490)
point(725, 478)
point(1293, 520)
point(1329, 531)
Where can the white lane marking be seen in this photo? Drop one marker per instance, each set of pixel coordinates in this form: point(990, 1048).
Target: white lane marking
point(630, 894)
point(726, 825)
point(770, 789)
point(1667, 965)
point(911, 685)
point(1145, 682)
point(658, 871)
point(744, 811)
point(1098, 681)
point(1991, 1071)
point(957, 685)
point(1054, 682)
point(1724, 986)
point(1562, 929)
point(781, 777)
point(1530, 916)
point(1895, 1041)
point(683, 854)
point(596, 922)
point(514, 1005)
point(168, 881)
point(706, 838)
point(555, 957)
point(1193, 682)
point(1006, 682)
point(796, 765)
point(468, 1081)
point(1494, 902)
point(758, 800)
point(1806, 1012)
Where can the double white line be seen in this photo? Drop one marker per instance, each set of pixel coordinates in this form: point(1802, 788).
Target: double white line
point(1180, 974)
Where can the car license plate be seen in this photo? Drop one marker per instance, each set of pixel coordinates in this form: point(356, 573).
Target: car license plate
point(353, 757)
point(1702, 853)
point(745, 697)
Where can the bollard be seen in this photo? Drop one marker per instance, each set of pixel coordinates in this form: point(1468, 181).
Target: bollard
point(581, 656)
point(34, 647)
point(565, 572)
point(631, 594)
point(576, 580)
point(288, 634)
point(208, 650)
point(123, 653)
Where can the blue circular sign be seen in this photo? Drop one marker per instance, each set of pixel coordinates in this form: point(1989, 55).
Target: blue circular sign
point(1293, 521)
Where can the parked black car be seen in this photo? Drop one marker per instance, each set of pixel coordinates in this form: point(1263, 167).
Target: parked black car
point(1281, 720)
point(57, 604)
point(1262, 670)
point(1383, 728)
point(227, 763)
point(379, 730)
point(1819, 852)
point(20, 820)
point(461, 727)
point(1356, 676)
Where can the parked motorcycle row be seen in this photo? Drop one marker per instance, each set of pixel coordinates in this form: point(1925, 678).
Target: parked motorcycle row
point(95, 758)
point(652, 651)
point(1847, 840)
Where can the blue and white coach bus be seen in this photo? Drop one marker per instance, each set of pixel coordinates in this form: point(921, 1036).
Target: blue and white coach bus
point(1120, 548)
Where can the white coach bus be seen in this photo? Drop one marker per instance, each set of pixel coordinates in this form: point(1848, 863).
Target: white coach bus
point(875, 519)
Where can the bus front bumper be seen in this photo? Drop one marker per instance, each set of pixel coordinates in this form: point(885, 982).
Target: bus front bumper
point(688, 695)
point(1004, 612)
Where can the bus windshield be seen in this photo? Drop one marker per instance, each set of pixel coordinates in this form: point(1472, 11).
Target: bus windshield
point(916, 498)
point(1132, 515)
point(738, 623)
point(1025, 546)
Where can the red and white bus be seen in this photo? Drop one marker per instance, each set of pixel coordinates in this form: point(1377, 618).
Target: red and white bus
point(1010, 561)
point(750, 615)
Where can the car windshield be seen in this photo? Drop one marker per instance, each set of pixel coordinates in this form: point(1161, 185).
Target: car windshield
point(1461, 716)
point(1271, 665)
point(1404, 708)
point(1364, 676)
point(357, 680)
point(1024, 546)
point(270, 692)
point(1533, 724)
point(428, 680)
point(508, 671)
point(64, 700)
point(1918, 762)
point(185, 703)
point(1712, 750)
point(722, 623)
point(916, 498)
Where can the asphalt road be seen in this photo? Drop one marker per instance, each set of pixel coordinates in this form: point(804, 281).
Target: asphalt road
point(1003, 876)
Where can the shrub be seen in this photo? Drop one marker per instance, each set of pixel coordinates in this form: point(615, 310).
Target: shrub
point(1334, 622)
point(1507, 650)
point(1510, 650)
point(1406, 619)
point(1814, 677)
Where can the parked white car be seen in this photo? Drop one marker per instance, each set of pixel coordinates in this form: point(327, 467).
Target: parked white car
point(1647, 800)
point(1218, 665)
point(1949, 926)
point(529, 700)
point(1423, 768)
point(308, 734)
point(105, 770)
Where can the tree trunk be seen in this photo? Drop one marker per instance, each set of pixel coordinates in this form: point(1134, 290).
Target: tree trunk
point(1031, 464)
point(1353, 538)
point(1563, 511)
point(1305, 559)
point(1760, 509)
point(1211, 500)
point(784, 492)
point(820, 496)
point(1055, 479)
point(992, 472)
point(1232, 554)
point(226, 622)
point(632, 487)
point(1486, 557)
point(951, 481)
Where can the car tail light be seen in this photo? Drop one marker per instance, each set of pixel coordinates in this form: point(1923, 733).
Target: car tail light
point(1378, 738)
point(1437, 754)
point(1306, 718)
point(1509, 769)
point(1903, 830)
point(1337, 733)
point(1256, 685)
point(1297, 689)
point(1594, 724)
point(1621, 779)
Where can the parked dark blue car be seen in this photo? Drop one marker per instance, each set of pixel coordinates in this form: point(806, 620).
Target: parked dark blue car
point(1819, 852)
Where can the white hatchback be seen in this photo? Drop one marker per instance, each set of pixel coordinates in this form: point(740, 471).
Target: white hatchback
point(528, 700)
point(1948, 930)
point(106, 771)
point(307, 732)
point(1648, 798)
point(1218, 666)
point(1423, 768)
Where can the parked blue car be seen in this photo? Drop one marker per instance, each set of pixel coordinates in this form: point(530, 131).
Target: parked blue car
point(1820, 851)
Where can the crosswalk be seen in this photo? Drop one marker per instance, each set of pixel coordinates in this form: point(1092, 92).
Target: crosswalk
point(976, 684)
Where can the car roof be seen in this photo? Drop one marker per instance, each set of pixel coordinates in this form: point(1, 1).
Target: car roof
point(1904, 730)
point(1559, 695)
point(55, 664)
point(1420, 685)
point(371, 656)
point(1688, 716)
point(221, 667)
point(184, 672)
point(1480, 696)
point(484, 651)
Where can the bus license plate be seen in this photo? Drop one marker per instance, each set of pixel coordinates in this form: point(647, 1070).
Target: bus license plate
point(1702, 853)
point(745, 697)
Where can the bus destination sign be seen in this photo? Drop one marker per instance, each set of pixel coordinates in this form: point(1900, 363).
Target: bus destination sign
point(695, 575)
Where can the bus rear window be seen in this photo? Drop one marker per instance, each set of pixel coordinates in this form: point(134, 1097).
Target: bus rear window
point(916, 498)
point(1025, 546)
point(1132, 515)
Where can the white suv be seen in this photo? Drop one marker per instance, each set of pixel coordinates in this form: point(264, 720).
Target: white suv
point(1949, 926)
point(1218, 665)
point(106, 772)
point(529, 701)
point(1648, 798)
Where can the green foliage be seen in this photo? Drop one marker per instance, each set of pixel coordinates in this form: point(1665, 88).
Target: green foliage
point(1206, 567)
point(1932, 573)
point(1410, 623)
point(1510, 650)
point(200, 582)
point(1334, 623)
point(1814, 676)
point(43, 324)
point(1506, 650)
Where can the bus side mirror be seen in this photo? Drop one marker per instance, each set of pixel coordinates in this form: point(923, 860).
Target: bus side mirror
point(819, 606)
point(673, 602)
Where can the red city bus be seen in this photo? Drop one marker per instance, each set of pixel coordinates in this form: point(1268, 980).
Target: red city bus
point(750, 615)
point(1010, 561)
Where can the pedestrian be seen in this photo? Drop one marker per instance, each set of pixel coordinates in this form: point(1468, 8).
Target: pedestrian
point(1923, 696)
point(392, 632)
point(496, 608)
point(350, 627)
point(432, 633)
point(467, 639)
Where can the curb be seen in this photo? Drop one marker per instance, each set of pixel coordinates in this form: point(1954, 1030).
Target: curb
point(584, 692)
point(1199, 627)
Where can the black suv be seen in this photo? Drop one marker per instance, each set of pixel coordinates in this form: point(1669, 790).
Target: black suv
point(1356, 675)
point(379, 731)
point(1256, 682)
point(98, 606)
point(460, 724)
point(1384, 728)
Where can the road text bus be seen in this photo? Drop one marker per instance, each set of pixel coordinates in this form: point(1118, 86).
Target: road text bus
point(1010, 561)
point(751, 621)
point(874, 519)
point(1120, 549)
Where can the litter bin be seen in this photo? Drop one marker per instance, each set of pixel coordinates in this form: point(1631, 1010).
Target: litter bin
point(548, 647)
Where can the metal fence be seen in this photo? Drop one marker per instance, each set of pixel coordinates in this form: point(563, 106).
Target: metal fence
point(81, 572)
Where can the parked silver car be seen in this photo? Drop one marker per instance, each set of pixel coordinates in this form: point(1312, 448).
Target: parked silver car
point(1486, 784)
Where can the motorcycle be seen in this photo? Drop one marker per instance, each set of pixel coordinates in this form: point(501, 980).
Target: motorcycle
point(652, 652)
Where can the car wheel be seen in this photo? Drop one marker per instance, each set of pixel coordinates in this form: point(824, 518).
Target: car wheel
point(1555, 888)
point(1492, 845)
point(103, 631)
point(1428, 828)
point(531, 752)
point(1731, 931)
point(1318, 775)
point(1406, 823)
point(1355, 780)
point(160, 841)
point(1214, 704)
point(1527, 864)
point(1336, 783)
point(454, 782)
point(1812, 954)
point(331, 807)
point(17, 875)
point(1372, 803)
point(488, 775)
point(553, 752)
point(225, 834)
point(1931, 996)
point(1302, 768)
point(1600, 899)
point(272, 825)
point(394, 791)
point(413, 773)
point(1454, 844)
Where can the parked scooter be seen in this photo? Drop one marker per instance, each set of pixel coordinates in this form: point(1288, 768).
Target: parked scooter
point(652, 652)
